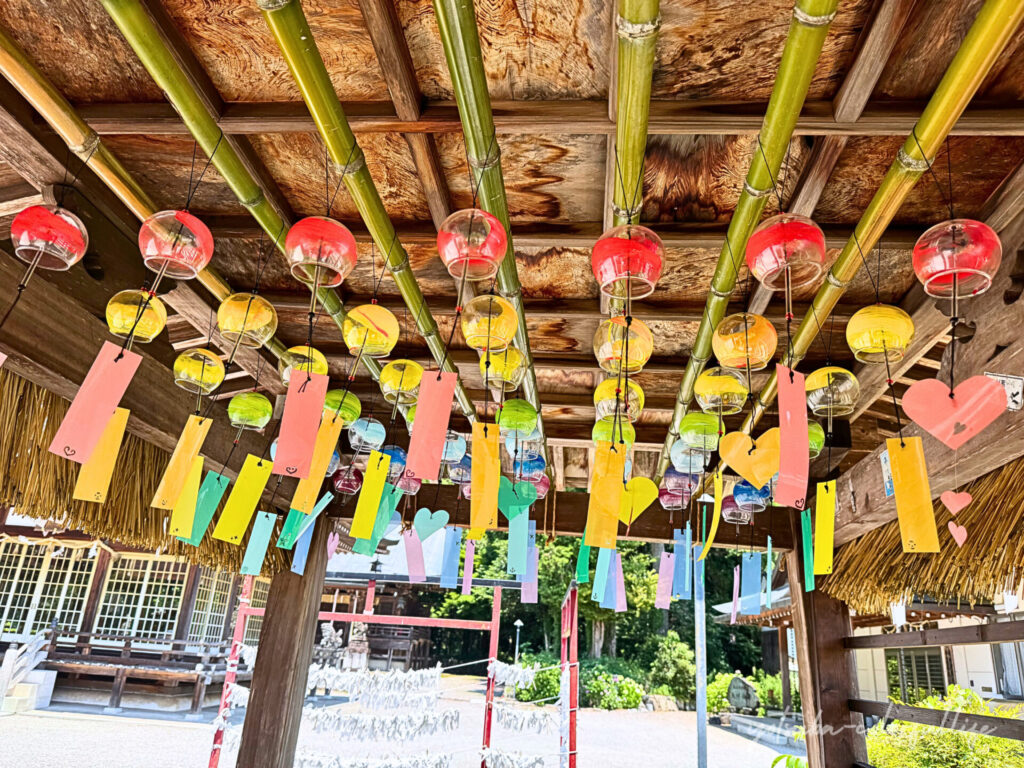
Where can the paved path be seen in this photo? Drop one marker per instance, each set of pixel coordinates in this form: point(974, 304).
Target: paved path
point(624, 739)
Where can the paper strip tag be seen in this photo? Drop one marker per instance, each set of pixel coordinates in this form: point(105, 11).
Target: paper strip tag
point(485, 476)
point(666, 577)
point(883, 459)
point(301, 553)
point(583, 564)
point(184, 512)
point(467, 567)
point(189, 444)
point(93, 482)
point(606, 490)
point(210, 493)
point(241, 503)
point(389, 499)
point(824, 527)
point(414, 556)
point(735, 594)
point(518, 543)
point(528, 594)
point(598, 588)
point(303, 408)
point(913, 495)
point(609, 599)
point(104, 386)
point(326, 440)
point(259, 539)
point(684, 549)
point(368, 503)
point(620, 585)
point(450, 559)
point(433, 411)
point(750, 583)
point(807, 543)
point(298, 523)
point(716, 518)
point(791, 489)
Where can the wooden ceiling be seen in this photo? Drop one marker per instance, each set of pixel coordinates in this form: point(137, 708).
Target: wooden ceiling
point(549, 70)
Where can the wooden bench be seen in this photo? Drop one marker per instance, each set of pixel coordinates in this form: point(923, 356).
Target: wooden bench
point(164, 662)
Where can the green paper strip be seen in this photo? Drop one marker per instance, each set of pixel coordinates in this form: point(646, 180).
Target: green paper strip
point(259, 539)
point(583, 565)
point(390, 496)
point(210, 493)
point(808, 548)
point(297, 522)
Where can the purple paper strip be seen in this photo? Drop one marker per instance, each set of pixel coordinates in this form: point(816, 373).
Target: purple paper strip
point(666, 571)
point(414, 557)
point(620, 585)
point(529, 590)
point(467, 567)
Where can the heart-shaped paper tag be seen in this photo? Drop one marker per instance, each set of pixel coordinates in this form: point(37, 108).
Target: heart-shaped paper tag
point(333, 540)
point(427, 523)
point(975, 404)
point(638, 495)
point(958, 531)
point(954, 501)
point(514, 498)
point(756, 462)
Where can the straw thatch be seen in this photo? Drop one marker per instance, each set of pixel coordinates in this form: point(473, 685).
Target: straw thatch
point(873, 572)
point(39, 484)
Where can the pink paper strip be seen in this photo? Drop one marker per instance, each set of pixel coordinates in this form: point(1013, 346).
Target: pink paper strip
point(414, 556)
point(528, 594)
point(791, 490)
point(467, 567)
point(735, 594)
point(433, 410)
point(94, 405)
point(3, 359)
point(666, 570)
point(620, 585)
point(303, 407)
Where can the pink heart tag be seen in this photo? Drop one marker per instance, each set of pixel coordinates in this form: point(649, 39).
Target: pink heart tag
point(975, 404)
point(333, 540)
point(959, 533)
point(954, 501)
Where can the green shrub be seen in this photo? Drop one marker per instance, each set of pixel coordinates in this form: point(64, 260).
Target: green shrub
point(547, 682)
point(909, 745)
point(614, 666)
point(609, 691)
point(718, 690)
point(674, 667)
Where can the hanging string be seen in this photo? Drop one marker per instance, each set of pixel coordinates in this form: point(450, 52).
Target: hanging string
point(192, 190)
point(935, 178)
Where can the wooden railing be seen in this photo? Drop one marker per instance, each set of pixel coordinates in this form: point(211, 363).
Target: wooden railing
point(18, 662)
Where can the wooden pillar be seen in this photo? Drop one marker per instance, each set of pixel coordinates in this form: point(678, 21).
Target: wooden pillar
point(787, 693)
point(282, 665)
point(236, 584)
point(92, 600)
point(828, 675)
point(188, 603)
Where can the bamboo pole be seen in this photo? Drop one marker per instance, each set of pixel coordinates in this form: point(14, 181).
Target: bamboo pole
point(90, 149)
point(456, 20)
point(807, 32)
point(288, 24)
point(993, 27)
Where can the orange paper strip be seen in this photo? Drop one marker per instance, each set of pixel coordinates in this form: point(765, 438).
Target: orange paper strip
point(606, 489)
point(188, 447)
point(913, 495)
point(308, 489)
point(716, 517)
point(303, 406)
point(485, 477)
point(94, 476)
point(94, 404)
point(184, 512)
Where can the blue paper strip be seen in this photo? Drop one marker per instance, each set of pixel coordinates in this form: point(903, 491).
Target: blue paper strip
point(302, 550)
point(750, 583)
point(450, 560)
point(531, 544)
point(259, 539)
point(611, 587)
point(518, 543)
point(681, 582)
point(210, 493)
point(604, 556)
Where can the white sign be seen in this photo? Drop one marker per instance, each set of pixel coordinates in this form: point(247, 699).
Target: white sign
point(1014, 386)
point(886, 473)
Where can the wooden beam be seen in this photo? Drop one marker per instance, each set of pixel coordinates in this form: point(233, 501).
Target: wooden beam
point(975, 634)
point(667, 117)
point(986, 725)
point(14, 198)
point(569, 517)
point(278, 688)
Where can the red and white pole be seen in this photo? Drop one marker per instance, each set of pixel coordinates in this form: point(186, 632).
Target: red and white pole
point(231, 671)
point(492, 656)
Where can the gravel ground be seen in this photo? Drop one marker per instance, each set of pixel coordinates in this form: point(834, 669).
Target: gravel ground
point(624, 739)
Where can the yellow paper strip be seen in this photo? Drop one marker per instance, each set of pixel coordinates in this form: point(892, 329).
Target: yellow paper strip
point(913, 495)
point(369, 495)
point(184, 512)
point(94, 476)
point(308, 490)
point(485, 476)
point(824, 527)
point(475, 534)
point(188, 447)
point(241, 503)
point(716, 517)
point(606, 489)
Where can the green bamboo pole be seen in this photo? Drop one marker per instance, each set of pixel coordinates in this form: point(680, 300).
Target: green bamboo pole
point(807, 32)
point(456, 20)
point(90, 149)
point(993, 27)
point(288, 24)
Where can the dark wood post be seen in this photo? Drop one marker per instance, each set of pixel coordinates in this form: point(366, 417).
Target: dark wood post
point(236, 584)
point(188, 603)
point(282, 665)
point(787, 693)
point(828, 675)
point(92, 600)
